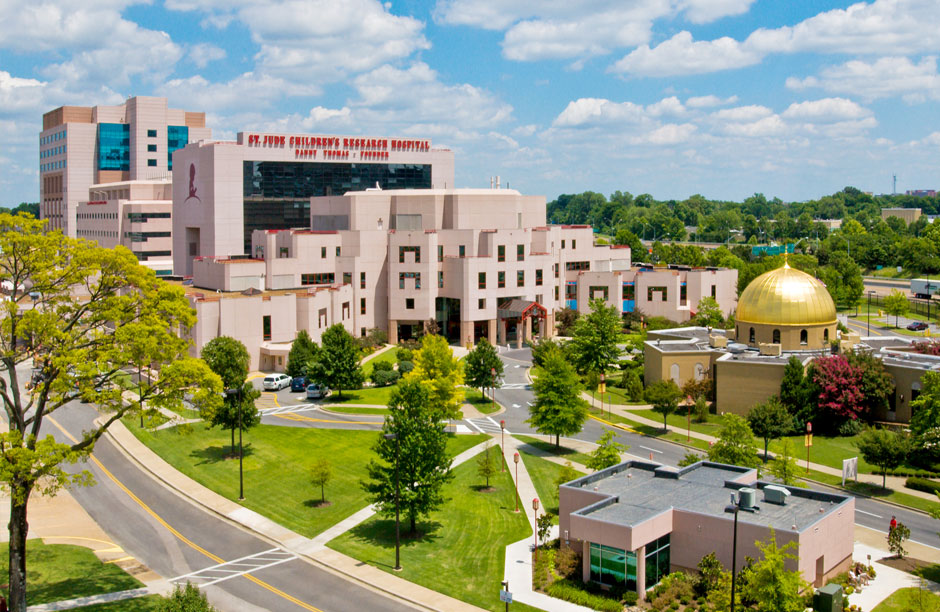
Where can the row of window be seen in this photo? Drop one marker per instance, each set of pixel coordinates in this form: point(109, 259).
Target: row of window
point(107, 215)
point(97, 234)
point(319, 278)
point(804, 336)
point(322, 252)
point(501, 279)
point(52, 137)
point(56, 165)
point(145, 255)
point(144, 236)
point(52, 152)
point(143, 217)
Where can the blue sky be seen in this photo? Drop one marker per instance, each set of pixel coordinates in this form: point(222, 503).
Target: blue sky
point(725, 98)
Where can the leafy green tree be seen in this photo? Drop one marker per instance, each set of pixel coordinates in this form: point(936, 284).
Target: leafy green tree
point(770, 583)
point(607, 452)
point(593, 345)
point(876, 385)
point(769, 420)
point(78, 348)
point(483, 366)
point(632, 385)
point(419, 451)
point(229, 358)
point(186, 599)
point(440, 373)
point(664, 396)
point(708, 313)
point(710, 570)
point(896, 304)
point(735, 444)
point(896, 537)
point(543, 526)
point(783, 467)
point(559, 408)
point(302, 351)
point(542, 348)
point(925, 408)
point(885, 448)
point(568, 473)
point(336, 364)
point(690, 458)
point(795, 391)
point(321, 474)
point(565, 320)
point(487, 466)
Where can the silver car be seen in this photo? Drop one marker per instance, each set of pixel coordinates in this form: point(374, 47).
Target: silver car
point(276, 382)
point(317, 391)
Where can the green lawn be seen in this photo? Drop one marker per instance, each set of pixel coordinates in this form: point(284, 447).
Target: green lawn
point(680, 419)
point(826, 450)
point(544, 473)
point(909, 599)
point(277, 465)
point(148, 603)
point(55, 572)
point(549, 447)
point(369, 395)
point(461, 549)
point(480, 401)
point(341, 409)
point(389, 356)
point(872, 490)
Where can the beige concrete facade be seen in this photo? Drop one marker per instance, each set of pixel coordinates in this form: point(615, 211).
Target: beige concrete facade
point(69, 145)
point(789, 337)
point(908, 215)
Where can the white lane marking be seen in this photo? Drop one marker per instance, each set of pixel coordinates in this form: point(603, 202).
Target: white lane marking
point(516, 406)
point(868, 513)
point(244, 565)
point(517, 366)
point(529, 404)
point(474, 425)
point(652, 450)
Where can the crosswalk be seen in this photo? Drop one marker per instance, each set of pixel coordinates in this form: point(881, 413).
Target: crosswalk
point(287, 409)
point(526, 386)
point(485, 425)
point(235, 568)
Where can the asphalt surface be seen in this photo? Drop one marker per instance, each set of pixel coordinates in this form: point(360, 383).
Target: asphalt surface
point(142, 526)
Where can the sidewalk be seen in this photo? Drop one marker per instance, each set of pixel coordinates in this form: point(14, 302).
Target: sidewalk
point(887, 579)
point(313, 550)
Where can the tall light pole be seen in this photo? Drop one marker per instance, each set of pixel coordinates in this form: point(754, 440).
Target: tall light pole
point(733, 507)
point(393, 436)
point(235, 395)
point(535, 525)
point(515, 459)
point(493, 388)
point(809, 442)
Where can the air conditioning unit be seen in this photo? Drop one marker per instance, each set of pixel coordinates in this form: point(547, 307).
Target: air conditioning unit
point(770, 349)
point(776, 495)
point(717, 341)
point(747, 498)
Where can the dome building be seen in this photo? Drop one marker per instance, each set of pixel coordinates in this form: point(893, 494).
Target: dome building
point(786, 307)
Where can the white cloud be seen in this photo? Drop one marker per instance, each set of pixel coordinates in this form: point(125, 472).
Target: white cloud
point(18, 94)
point(752, 112)
point(595, 111)
point(202, 53)
point(671, 134)
point(826, 110)
point(666, 106)
point(885, 77)
point(525, 130)
point(246, 91)
point(705, 11)
point(768, 126)
point(681, 55)
point(709, 101)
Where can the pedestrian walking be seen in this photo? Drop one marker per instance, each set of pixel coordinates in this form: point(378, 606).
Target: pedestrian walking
point(892, 524)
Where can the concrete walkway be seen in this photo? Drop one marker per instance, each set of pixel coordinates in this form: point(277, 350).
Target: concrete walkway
point(887, 579)
point(91, 600)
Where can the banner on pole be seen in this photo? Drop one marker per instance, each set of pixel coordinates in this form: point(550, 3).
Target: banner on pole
point(849, 469)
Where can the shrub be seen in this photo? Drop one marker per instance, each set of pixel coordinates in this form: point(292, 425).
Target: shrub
point(542, 572)
point(405, 354)
point(188, 599)
point(568, 563)
point(922, 484)
point(630, 598)
point(632, 385)
point(852, 427)
point(382, 366)
point(383, 378)
point(573, 592)
point(405, 366)
point(410, 344)
point(916, 473)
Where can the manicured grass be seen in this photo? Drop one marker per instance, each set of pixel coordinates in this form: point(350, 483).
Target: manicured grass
point(549, 447)
point(341, 409)
point(148, 603)
point(680, 419)
point(368, 395)
point(910, 598)
point(826, 450)
point(461, 548)
point(544, 473)
point(55, 572)
point(875, 491)
point(277, 465)
point(389, 356)
point(480, 401)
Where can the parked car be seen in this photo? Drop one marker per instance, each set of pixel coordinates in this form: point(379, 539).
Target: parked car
point(917, 326)
point(299, 383)
point(317, 391)
point(276, 382)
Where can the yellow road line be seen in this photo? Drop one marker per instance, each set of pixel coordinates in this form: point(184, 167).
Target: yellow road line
point(612, 424)
point(121, 560)
point(179, 535)
point(273, 396)
point(863, 327)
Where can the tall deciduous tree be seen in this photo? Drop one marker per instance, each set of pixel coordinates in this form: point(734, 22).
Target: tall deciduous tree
point(795, 392)
point(440, 373)
point(839, 388)
point(483, 366)
point(769, 420)
point(735, 444)
point(876, 384)
point(593, 346)
point(896, 304)
point(926, 407)
point(229, 358)
point(302, 350)
point(487, 466)
point(558, 409)
point(419, 451)
point(708, 313)
point(337, 362)
point(77, 315)
point(664, 396)
point(885, 448)
point(321, 474)
point(607, 452)
point(770, 583)
point(783, 466)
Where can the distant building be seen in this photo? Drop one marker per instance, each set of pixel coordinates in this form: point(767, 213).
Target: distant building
point(922, 193)
point(908, 215)
point(81, 146)
point(831, 224)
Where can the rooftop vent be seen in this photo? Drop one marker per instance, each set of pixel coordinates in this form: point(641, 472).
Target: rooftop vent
point(737, 347)
point(776, 495)
point(773, 350)
point(747, 498)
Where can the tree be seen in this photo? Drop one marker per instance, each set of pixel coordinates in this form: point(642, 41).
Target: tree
point(708, 313)
point(770, 584)
point(543, 525)
point(419, 453)
point(302, 351)
point(710, 571)
point(896, 537)
point(440, 373)
point(568, 473)
point(885, 448)
point(483, 366)
point(925, 407)
point(486, 465)
point(559, 408)
point(593, 345)
point(565, 320)
point(769, 420)
point(896, 304)
point(229, 358)
point(321, 474)
point(783, 467)
point(337, 361)
point(838, 386)
point(542, 348)
point(607, 452)
point(795, 391)
point(93, 312)
point(664, 396)
point(186, 599)
point(735, 444)
point(876, 385)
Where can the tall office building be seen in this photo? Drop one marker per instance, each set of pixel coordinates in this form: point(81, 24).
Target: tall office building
point(81, 146)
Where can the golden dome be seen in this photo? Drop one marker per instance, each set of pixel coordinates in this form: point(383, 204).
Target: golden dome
point(786, 296)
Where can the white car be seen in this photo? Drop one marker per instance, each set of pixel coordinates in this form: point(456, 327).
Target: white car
point(276, 382)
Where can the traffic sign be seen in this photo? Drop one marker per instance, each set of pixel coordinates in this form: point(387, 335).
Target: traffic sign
point(505, 596)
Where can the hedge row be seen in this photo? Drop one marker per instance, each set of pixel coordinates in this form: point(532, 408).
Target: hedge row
point(922, 484)
point(909, 472)
point(565, 589)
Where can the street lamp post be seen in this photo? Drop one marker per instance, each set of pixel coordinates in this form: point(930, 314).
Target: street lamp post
point(809, 442)
point(688, 435)
point(392, 436)
point(603, 390)
point(515, 459)
point(733, 507)
point(493, 388)
point(502, 444)
point(235, 395)
point(535, 525)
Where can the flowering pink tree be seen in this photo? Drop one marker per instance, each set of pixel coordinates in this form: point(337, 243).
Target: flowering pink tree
point(840, 388)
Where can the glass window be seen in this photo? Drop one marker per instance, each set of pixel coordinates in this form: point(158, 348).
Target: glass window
point(322, 252)
point(629, 291)
point(151, 148)
point(362, 305)
point(574, 244)
point(152, 163)
point(481, 280)
point(657, 560)
point(713, 290)
point(347, 278)
point(520, 252)
point(409, 303)
point(562, 244)
point(409, 249)
point(501, 279)
point(177, 137)
point(538, 278)
point(440, 253)
point(319, 278)
point(520, 278)
point(577, 265)
point(599, 292)
point(501, 252)
point(651, 290)
point(338, 251)
point(362, 280)
point(462, 250)
point(403, 275)
point(481, 303)
point(440, 279)
point(266, 327)
point(114, 146)
point(826, 335)
point(613, 566)
point(776, 336)
point(751, 337)
point(151, 133)
point(804, 337)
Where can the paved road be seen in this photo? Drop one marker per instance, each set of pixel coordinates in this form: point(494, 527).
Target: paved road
point(146, 526)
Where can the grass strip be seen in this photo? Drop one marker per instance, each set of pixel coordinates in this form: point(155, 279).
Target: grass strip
point(549, 447)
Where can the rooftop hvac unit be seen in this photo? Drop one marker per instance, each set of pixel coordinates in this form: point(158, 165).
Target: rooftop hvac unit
point(747, 498)
point(776, 495)
point(737, 347)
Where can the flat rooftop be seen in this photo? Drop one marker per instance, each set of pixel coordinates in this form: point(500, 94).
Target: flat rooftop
point(644, 490)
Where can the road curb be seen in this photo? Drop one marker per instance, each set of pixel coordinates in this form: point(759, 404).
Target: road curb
point(247, 528)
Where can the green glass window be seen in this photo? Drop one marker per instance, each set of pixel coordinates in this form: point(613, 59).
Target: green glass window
point(114, 146)
point(151, 148)
point(538, 278)
point(440, 279)
point(152, 163)
point(347, 278)
point(501, 279)
point(481, 280)
point(462, 250)
point(177, 137)
point(409, 249)
point(520, 252)
point(362, 280)
point(440, 253)
point(266, 327)
point(613, 566)
point(501, 252)
point(520, 278)
point(151, 133)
